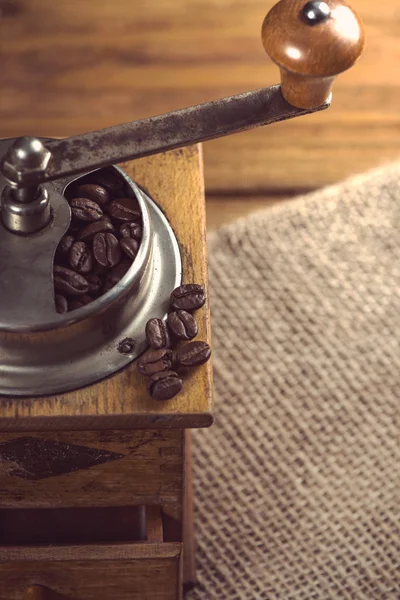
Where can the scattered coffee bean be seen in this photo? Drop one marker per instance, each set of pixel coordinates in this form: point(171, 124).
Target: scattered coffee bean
point(80, 258)
point(193, 354)
point(182, 325)
point(133, 230)
point(124, 209)
point(102, 226)
point(157, 362)
point(130, 247)
point(95, 284)
point(65, 245)
point(189, 296)
point(153, 361)
point(157, 334)
point(106, 249)
point(164, 385)
point(94, 192)
point(67, 282)
point(86, 210)
point(61, 303)
point(79, 302)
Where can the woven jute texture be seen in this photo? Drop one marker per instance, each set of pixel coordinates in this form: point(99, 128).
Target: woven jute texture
point(297, 485)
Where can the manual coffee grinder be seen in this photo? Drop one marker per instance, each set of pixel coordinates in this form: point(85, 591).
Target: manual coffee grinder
point(94, 473)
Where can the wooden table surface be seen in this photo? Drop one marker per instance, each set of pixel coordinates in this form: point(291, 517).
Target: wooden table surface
point(70, 66)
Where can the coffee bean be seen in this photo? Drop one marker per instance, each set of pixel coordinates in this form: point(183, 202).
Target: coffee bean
point(133, 230)
point(193, 354)
point(86, 210)
point(74, 227)
point(189, 296)
point(61, 303)
point(124, 209)
point(154, 361)
point(129, 246)
point(120, 270)
point(94, 284)
point(64, 246)
point(79, 302)
point(91, 247)
point(107, 284)
point(115, 275)
point(99, 270)
point(164, 385)
point(66, 281)
point(80, 258)
point(106, 249)
point(102, 226)
point(157, 334)
point(94, 192)
point(182, 325)
point(109, 179)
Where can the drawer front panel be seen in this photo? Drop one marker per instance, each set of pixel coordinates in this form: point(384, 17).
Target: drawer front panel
point(78, 469)
point(119, 572)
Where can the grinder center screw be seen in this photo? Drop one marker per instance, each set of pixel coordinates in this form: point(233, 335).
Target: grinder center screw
point(25, 209)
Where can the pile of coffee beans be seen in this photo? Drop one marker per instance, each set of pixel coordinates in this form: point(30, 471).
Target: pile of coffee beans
point(102, 241)
point(168, 358)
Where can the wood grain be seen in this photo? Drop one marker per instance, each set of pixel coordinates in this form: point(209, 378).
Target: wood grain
point(110, 572)
point(90, 552)
point(149, 472)
point(71, 66)
point(173, 180)
point(154, 525)
point(189, 542)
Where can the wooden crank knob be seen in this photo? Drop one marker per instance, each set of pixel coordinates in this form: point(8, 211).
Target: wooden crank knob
point(311, 42)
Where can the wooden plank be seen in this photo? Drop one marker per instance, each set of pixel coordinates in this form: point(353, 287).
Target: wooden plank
point(189, 542)
point(114, 468)
point(154, 525)
point(72, 66)
point(174, 180)
point(110, 572)
point(140, 551)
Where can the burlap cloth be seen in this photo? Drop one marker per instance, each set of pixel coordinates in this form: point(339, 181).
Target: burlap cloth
point(297, 485)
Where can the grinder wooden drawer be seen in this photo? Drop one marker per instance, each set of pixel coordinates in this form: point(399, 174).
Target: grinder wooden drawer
point(91, 468)
point(140, 571)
